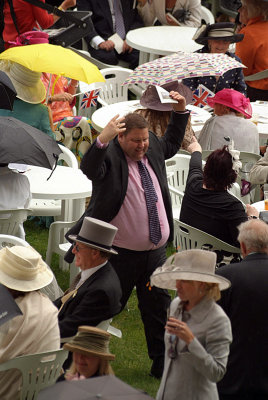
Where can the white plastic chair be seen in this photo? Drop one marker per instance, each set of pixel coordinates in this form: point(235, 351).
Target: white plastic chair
point(47, 207)
point(58, 244)
point(106, 326)
point(188, 237)
point(113, 91)
point(10, 220)
point(38, 371)
point(207, 15)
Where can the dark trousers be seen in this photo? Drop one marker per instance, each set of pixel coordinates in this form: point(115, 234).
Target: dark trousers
point(256, 94)
point(134, 268)
point(112, 57)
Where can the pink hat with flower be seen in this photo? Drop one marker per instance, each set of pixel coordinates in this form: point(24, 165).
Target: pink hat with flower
point(233, 99)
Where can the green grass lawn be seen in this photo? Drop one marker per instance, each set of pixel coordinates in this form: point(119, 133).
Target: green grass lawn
point(132, 363)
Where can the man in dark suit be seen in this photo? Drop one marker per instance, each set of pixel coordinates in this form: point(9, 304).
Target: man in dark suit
point(113, 164)
point(96, 292)
point(246, 304)
point(107, 22)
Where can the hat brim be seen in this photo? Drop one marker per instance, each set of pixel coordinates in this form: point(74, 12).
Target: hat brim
point(167, 279)
point(85, 352)
point(43, 278)
point(74, 238)
point(237, 37)
point(211, 102)
point(34, 95)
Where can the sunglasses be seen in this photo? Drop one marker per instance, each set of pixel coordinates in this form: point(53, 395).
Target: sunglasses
point(172, 351)
point(78, 247)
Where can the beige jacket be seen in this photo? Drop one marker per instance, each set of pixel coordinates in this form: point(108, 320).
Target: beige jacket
point(156, 10)
point(259, 172)
point(35, 331)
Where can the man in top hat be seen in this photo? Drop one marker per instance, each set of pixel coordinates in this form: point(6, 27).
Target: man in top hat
point(246, 304)
point(217, 38)
point(127, 167)
point(95, 294)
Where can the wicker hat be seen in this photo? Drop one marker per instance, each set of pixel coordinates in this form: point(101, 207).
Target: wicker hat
point(233, 99)
point(150, 98)
point(218, 31)
point(22, 268)
point(91, 341)
point(27, 83)
point(96, 234)
point(191, 265)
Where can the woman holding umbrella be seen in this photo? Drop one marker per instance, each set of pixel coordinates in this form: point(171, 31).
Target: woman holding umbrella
point(198, 332)
point(217, 38)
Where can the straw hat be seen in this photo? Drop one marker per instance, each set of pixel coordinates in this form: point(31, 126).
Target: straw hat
point(218, 31)
point(91, 341)
point(150, 98)
point(22, 268)
point(233, 99)
point(192, 265)
point(27, 83)
point(96, 234)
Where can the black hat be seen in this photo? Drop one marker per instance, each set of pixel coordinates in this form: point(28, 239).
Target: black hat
point(218, 31)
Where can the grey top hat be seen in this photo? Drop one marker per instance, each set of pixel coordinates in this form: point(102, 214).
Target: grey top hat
point(96, 234)
point(151, 100)
point(192, 265)
point(218, 31)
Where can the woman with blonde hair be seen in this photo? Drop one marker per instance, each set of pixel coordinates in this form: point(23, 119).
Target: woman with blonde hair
point(198, 332)
point(91, 355)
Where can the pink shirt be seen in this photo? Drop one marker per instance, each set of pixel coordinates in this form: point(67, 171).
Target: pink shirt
point(132, 218)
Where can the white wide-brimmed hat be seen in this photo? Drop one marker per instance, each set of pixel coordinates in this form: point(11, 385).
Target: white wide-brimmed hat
point(192, 265)
point(27, 83)
point(22, 268)
point(96, 234)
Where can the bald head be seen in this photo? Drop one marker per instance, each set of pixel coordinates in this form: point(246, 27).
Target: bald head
point(253, 237)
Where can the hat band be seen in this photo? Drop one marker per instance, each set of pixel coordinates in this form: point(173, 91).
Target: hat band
point(78, 237)
point(221, 33)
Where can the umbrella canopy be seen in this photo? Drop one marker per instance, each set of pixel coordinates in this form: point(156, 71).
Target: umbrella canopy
point(7, 92)
point(54, 60)
point(22, 144)
point(182, 65)
point(106, 387)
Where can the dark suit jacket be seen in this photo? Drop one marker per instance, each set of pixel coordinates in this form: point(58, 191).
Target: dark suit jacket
point(108, 170)
point(102, 17)
point(96, 300)
point(246, 304)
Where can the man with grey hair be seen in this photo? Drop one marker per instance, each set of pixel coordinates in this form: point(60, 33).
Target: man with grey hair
point(246, 304)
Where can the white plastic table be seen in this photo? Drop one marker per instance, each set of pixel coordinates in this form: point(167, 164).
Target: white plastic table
point(67, 184)
point(260, 109)
point(103, 115)
point(259, 205)
point(153, 41)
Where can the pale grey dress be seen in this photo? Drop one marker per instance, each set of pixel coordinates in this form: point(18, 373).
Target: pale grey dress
point(193, 374)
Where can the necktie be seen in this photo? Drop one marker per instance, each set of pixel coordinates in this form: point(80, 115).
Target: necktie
point(71, 292)
point(151, 199)
point(119, 22)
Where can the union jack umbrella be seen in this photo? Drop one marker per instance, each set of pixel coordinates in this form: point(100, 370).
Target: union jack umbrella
point(182, 65)
point(200, 96)
point(90, 99)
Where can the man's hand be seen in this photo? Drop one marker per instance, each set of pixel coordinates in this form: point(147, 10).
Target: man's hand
point(126, 48)
point(194, 146)
point(180, 106)
point(250, 210)
point(107, 45)
point(112, 129)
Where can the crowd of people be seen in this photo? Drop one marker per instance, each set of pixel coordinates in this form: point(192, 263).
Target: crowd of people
point(210, 341)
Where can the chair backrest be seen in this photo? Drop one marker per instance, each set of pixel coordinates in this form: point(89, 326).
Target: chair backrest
point(38, 371)
point(207, 15)
point(177, 169)
point(7, 240)
point(68, 156)
point(188, 237)
point(113, 91)
point(11, 219)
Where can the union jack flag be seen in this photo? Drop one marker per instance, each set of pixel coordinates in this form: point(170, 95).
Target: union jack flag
point(200, 96)
point(90, 99)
